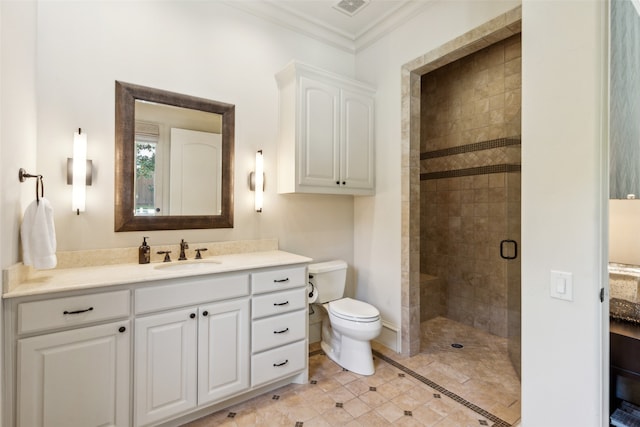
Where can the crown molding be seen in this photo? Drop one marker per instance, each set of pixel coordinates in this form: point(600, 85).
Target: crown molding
point(292, 20)
point(322, 31)
point(389, 22)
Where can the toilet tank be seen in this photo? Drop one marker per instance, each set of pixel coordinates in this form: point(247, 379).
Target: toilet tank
point(329, 279)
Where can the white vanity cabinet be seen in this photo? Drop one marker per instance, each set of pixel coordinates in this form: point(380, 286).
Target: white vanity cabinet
point(326, 133)
point(155, 350)
point(70, 374)
point(190, 356)
point(279, 328)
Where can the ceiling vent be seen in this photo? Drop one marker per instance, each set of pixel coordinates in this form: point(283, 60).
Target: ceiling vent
point(350, 7)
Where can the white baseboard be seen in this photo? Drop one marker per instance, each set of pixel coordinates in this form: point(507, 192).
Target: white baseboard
point(390, 337)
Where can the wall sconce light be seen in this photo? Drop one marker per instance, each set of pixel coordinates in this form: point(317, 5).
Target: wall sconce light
point(79, 171)
point(256, 181)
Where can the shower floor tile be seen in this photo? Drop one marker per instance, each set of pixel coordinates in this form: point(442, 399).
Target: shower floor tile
point(442, 386)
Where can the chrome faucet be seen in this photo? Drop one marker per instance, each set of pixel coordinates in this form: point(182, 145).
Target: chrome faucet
point(183, 245)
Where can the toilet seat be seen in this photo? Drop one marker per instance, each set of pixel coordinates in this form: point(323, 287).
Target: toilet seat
point(354, 310)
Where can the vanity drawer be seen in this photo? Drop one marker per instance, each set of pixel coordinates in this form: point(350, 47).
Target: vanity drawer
point(278, 330)
point(278, 302)
point(275, 280)
point(190, 291)
point(71, 311)
point(277, 363)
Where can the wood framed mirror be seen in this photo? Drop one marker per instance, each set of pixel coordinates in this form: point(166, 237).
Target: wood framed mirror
point(174, 158)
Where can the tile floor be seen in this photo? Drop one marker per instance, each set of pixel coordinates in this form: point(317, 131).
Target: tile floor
point(442, 386)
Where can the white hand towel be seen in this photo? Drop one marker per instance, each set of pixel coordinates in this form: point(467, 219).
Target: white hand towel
point(39, 236)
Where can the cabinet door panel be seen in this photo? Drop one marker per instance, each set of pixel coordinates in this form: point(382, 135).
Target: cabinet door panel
point(319, 133)
point(356, 159)
point(223, 350)
point(77, 378)
point(165, 365)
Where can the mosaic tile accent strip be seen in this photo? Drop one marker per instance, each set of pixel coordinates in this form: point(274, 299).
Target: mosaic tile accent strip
point(471, 159)
point(468, 148)
point(482, 170)
point(495, 156)
point(478, 410)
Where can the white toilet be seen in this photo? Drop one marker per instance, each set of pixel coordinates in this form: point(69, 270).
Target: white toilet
point(350, 325)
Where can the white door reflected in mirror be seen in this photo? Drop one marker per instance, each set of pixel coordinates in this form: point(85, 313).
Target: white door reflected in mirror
point(195, 186)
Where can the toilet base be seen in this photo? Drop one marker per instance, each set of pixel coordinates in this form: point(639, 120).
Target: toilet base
point(352, 355)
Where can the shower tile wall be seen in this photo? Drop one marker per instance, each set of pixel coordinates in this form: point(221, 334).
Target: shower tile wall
point(470, 145)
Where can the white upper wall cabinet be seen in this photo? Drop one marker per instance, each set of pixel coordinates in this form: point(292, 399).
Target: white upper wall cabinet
point(325, 141)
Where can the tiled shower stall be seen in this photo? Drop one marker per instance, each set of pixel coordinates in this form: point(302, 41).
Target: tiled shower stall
point(470, 191)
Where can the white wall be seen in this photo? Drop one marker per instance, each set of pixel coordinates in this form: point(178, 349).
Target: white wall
point(207, 49)
point(564, 210)
point(377, 226)
point(17, 119)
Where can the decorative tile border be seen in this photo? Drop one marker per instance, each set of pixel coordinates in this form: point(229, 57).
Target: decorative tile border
point(482, 170)
point(478, 146)
point(498, 422)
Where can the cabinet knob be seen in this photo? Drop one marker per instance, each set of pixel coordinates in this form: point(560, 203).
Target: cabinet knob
point(205, 313)
point(192, 315)
point(121, 329)
point(337, 182)
point(344, 182)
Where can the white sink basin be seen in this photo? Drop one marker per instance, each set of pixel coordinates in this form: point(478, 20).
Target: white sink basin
point(194, 266)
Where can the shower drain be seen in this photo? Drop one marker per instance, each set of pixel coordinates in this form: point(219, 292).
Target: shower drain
point(456, 345)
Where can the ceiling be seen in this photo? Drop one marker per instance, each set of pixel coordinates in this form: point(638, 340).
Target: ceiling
point(322, 20)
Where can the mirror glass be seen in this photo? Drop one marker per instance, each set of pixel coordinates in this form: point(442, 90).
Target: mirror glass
point(624, 98)
point(174, 160)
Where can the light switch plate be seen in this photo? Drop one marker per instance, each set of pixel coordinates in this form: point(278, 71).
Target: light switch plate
point(561, 285)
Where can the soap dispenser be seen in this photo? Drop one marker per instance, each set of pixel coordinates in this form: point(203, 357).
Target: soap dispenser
point(144, 252)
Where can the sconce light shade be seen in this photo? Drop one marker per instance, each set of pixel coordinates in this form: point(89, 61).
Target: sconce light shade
point(79, 172)
point(259, 181)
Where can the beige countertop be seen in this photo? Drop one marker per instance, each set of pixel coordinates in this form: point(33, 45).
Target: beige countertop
point(74, 279)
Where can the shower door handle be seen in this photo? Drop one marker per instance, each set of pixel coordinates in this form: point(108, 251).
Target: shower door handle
point(502, 249)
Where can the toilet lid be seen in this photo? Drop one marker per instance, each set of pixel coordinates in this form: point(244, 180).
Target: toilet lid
point(351, 309)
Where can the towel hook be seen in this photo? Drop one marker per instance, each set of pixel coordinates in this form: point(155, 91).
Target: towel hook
point(23, 175)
